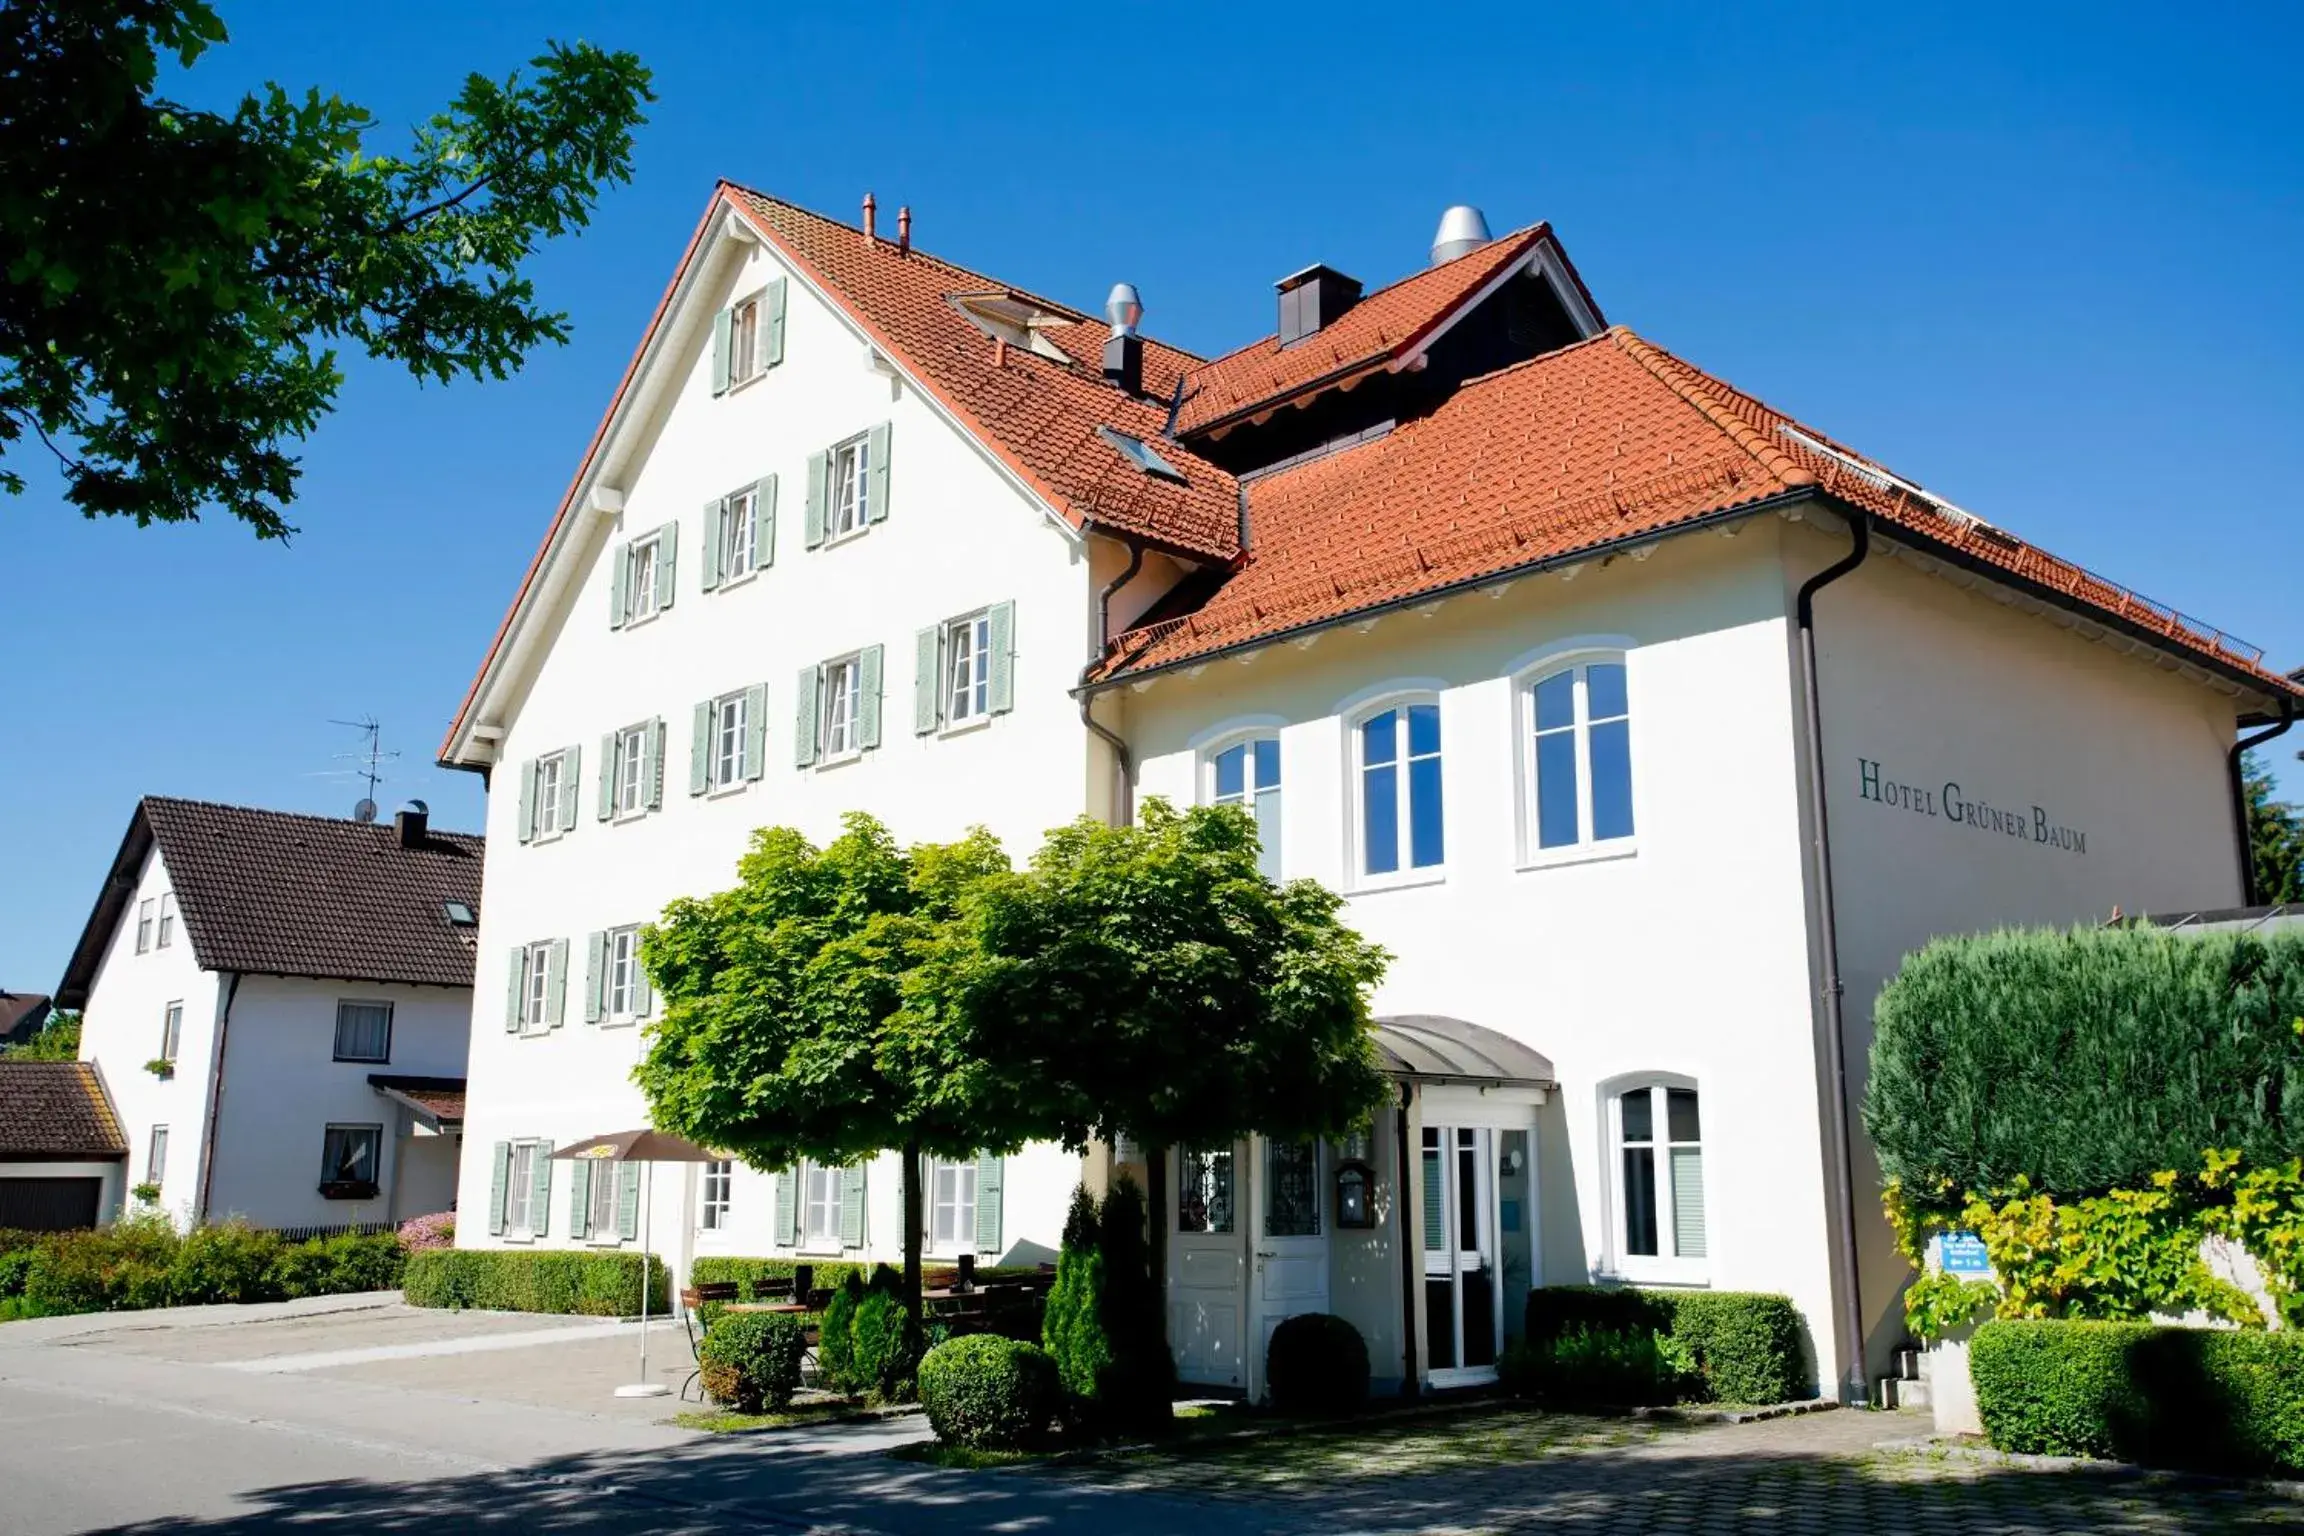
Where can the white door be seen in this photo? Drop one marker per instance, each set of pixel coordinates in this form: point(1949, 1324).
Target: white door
point(1291, 1264)
point(1463, 1291)
point(1206, 1255)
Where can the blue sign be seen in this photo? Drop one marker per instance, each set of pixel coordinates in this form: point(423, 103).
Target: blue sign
point(1962, 1253)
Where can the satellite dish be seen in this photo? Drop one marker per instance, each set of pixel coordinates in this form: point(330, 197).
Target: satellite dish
point(364, 811)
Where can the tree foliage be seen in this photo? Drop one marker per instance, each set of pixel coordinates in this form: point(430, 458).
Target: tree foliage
point(2275, 837)
point(56, 1040)
point(175, 279)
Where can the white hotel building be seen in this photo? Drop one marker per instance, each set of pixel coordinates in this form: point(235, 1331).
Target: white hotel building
point(1501, 621)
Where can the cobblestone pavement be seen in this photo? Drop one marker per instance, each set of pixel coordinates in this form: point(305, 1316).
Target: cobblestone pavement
point(1825, 1472)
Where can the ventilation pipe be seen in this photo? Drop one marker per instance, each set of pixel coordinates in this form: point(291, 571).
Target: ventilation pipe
point(1124, 350)
point(1463, 230)
point(871, 215)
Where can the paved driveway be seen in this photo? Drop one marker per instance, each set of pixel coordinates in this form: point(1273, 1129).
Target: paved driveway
point(366, 1414)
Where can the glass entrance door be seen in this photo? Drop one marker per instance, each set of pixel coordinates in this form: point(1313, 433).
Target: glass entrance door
point(1463, 1301)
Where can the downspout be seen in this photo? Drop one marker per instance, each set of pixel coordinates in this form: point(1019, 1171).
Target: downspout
point(215, 1099)
point(1852, 1391)
point(1411, 1266)
point(2249, 895)
point(1124, 802)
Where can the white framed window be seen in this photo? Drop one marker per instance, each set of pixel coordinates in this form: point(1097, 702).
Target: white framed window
point(519, 1189)
point(642, 597)
point(968, 670)
point(171, 1031)
point(736, 539)
point(536, 988)
point(1247, 774)
point(600, 1203)
point(144, 924)
point(842, 703)
point(712, 1204)
point(1397, 790)
point(848, 488)
point(156, 1156)
point(819, 1207)
point(951, 1207)
point(1657, 1164)
point(167, 934)
point(363, 1031)
point(625, 981)
point(730, 720)
point(744, 340)
point(631, 769)
point(1579, 780)
point(549, 802)
point(349, 1153)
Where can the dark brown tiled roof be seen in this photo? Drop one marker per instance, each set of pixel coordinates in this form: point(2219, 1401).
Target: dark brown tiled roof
point(280, 894)
point(21, 1015)
point(56, 1111)
point(442, 1098)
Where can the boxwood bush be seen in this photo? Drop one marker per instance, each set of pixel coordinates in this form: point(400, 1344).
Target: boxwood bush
point(2206, 1400)
point(1706, 1346)
point(989, 1392)
point(751, 1360)
point(1317, 1363)
point(533, 1280)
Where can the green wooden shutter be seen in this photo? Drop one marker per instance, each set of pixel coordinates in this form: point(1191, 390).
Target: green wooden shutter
point(772, 324)
point(989, 1170)
point(928, 680)
point(556, 983)
point(710, 551)
point(667, 563)
point(627, 1201)
point(540, 1190)
point(572, 783)
point(852, 1206)
point(868, 667)
point(876, 474)
point(514, 990)
point(500, 1165)
point(595, 977)
point(804, 716)
point(527, 826)
point(700, 750)
point(723, 336)
point(788, 1207)
point(619, 589)
point(652, 764)
point(1000, 625)
point(611, 762)
point(580, 1199)
point(817, 467)
point(755, 730)
point(764, 522)
point(643, 994)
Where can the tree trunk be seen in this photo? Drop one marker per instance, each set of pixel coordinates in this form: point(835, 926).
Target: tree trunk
point(912, 1214)
point(1156, 1239)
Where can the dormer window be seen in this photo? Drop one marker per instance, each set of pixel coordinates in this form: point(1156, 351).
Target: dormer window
point(459, 914)
point(1141, 454)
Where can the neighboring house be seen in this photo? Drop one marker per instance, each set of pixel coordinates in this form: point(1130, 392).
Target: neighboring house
point(280, 1006)
point(61, 1152)
point(21, 1015)
point(1493, 616)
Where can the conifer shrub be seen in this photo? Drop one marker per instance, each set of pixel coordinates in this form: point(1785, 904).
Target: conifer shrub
point(1102, 1325)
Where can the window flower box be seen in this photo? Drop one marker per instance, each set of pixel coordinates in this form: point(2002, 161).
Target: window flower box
point(348, 1189)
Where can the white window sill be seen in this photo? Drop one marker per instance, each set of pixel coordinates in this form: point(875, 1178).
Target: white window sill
point(746, 579)
point(517, 1237)
point(841, 759)
point(1581, 853)
point(623, 818)
point(608, 1243)
point(620, 1021)
point(1370, 885)
point(723, 791)
point(539, 839)
point(964, 727)
point(535, 1031)
point(1689, 1274)
point(635, 620)
point(745, 382)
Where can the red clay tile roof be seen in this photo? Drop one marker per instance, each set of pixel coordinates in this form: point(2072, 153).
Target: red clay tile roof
point(1039, 414)
point(1606, 440)
point(56, 1111)
point(280, 894)
point(1381, 328)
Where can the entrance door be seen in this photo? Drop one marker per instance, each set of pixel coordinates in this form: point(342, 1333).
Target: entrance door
point(1291, 1267)
point(1205, 1259)
point(1463, 1300)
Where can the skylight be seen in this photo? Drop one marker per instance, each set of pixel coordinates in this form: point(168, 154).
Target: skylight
point(1141, 454)
point(459, 915)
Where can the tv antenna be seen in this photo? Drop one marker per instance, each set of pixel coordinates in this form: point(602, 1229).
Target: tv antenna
point(366, 762)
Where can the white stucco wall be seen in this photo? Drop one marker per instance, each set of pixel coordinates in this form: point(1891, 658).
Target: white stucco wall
point(120, 1030)
point(283, 1088)
point(959, 536)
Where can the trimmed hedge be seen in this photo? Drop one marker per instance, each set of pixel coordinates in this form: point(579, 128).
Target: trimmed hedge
point(989, 1392)
point(144, 1262)
point(1727, 1346)
point(750, 1361)
point(715, 1269)
point(534, 1280)
point(2085, 1062)
point(2205, 1400)
point(1317, 1363)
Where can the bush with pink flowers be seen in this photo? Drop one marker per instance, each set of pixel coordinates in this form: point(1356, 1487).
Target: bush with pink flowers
point(419, 1233)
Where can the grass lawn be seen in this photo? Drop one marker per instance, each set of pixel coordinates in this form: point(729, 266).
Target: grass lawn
point(726, 1421)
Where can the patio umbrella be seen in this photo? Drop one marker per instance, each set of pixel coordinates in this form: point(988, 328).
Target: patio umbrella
point(647, 1147)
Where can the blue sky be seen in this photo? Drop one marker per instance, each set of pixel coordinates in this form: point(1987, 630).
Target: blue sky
point(2041, 259)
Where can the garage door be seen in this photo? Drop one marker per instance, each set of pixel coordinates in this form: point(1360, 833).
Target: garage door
point(48, 1205)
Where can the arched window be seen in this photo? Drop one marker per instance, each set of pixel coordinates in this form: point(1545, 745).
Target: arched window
point(1658, 1168)
point(1580, 789)
point(1247, 774)
point(1401, 827)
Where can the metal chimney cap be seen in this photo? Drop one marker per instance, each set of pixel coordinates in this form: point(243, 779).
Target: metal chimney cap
point(1123, 307)
point(1463, 230)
